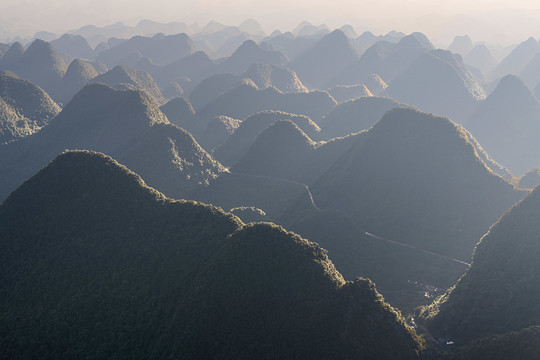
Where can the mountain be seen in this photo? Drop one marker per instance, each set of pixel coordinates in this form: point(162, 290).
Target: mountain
point(249, 53)
point(499, 293)
point(285, 80)
point(356, 115)
point(218, 131)
point(289, 44)
point(245, 100)
point(375, 84)
point(24, 107)
point(210, 88)
point(40, 64)
point(239, 142)
point(194, 67)
point(385, 59)
point(171, 160)
point(481, 58)
point(343, 93)
point(417, 179)
point(520, 56)
point(78, 74)
point(163, 271)
point(438, 82)
point(162, 50)
point(122, 77)
point(461, 45)
point(530, 179)
point(507, 124)
point(270, 153)
point(180, 113)
point(75, 46)
point(328, 57)
point(97, 118)
point(530, 73)
point(251, 26)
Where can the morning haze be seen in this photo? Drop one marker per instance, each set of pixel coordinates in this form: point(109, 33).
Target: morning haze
point(230, 179)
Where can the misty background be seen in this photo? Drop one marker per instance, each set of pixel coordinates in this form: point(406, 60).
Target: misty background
point(497, 22)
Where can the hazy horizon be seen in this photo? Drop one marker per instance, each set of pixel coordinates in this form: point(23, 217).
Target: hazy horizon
point(441, 21)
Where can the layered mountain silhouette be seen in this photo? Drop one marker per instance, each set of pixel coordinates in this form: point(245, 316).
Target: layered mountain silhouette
point(382, 184)
point(507, 124)
point(74, 46)
point(78, 74)
point(40, 64)
point(194, 67)
point(516, 61)
point(265, 76)
point(481, 58)
point(384, 59)
point(249, 53)
point(490, 298)
point(246, 99)
point(211, 88)
point(328, 57)
point(199, 262)
point(342, 93)
point(180, 113)
point(218, 131)
point(289, 44)
point(438, 82)
point(530, 73)
point(24, 107)
point(461, 45)
point(122, 77)
point(162, 50)
point(242, 138)
point(356, 115)
point(117, 123)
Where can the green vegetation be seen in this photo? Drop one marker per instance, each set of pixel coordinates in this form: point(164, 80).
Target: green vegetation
point(97, 265)
point(500, 292)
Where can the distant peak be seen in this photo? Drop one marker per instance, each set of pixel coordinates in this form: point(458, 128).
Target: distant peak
point(511, 86)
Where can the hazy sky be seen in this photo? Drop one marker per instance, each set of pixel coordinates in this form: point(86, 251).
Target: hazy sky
point(492, 16)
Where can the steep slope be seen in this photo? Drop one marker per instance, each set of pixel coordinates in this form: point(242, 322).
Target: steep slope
point(250, 53)
point(481, 58)
point(270, 153)
point(24, 107)
point(239, 142)
point(285, 80)
point(195, 67)
point(507, 124)
point(218, 131)
point(170, 160)
point(530, 179)
point(162, 50)
point(438, 82)
point(122, 77)
point(98, 118)
point(432, 190)
point(317, 65)
point(461, 45)
point(517, 59)
point(342, 93)
point(180, 113)
point(40, 64)
point(165, 297)
point(77, 75)
point(245, 100)
point(530, 73)
point(499, 293)
point(210, 88)
point(75, 46)
point(356, 115)
point(384, 58)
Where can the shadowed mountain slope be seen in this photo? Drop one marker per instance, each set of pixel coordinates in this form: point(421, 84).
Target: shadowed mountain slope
point(75, 46)
point(218, 131)
point(180, 113)
point(24, 107)
point(250, 53)
point(481, 58)
point(530, 179)
point(166, 296)
point(438, 82)
point(499, 293)
point(162, 50)
point(342, 93)
point(317, 65)
point(239, 142)
point(285, 80)
point(78, 74)
point(245, 100)
point(517, 59)
point(507, 125)
point(121, 77)
point(417, 179)
point(356, 115)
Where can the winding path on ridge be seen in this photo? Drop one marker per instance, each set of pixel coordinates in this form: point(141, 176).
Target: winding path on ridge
point(370, 235)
